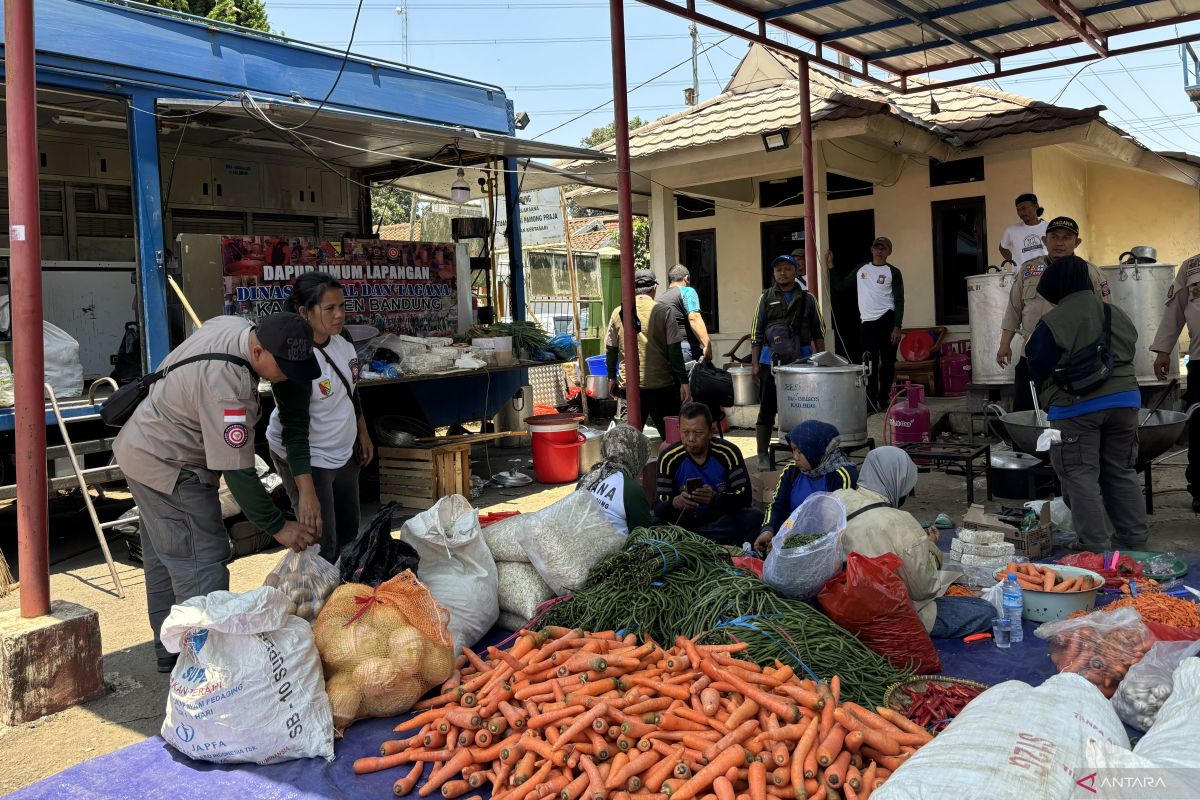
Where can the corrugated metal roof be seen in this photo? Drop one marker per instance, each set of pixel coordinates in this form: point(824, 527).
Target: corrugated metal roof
point(910, 37)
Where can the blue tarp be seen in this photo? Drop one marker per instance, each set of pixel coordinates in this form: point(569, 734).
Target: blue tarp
point(151, 770)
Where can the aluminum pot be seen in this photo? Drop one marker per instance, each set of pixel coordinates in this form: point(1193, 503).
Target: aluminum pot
point(987, 299)
point(597, 387)
point(834, 394)
point(589, 451)
point(1140, 290)
point(745, 390)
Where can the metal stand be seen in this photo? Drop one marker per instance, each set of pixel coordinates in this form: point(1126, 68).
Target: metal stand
point(850, 450)
point(962, 457)
point(81, 478)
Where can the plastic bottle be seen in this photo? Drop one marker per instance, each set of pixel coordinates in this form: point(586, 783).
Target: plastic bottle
point(1014, 605)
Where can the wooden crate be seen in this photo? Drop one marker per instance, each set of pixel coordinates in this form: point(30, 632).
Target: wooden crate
point(417, 477)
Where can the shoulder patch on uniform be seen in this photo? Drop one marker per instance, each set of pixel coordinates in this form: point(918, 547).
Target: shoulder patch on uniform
point(1104, 290)
point(233, 415)
point(236, 435)
point(1170, 293)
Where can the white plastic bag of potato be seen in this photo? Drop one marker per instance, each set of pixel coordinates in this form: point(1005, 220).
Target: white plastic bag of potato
point(521, 590)
point(565, 540)
point(306, 578)
point(247, 687)
point(1013, 742)
point(456, 566)
point(1171, 741)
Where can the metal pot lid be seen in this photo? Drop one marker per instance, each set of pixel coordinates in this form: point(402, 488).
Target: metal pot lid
point(812, 369)
point(1011, 460)
point(512, 479)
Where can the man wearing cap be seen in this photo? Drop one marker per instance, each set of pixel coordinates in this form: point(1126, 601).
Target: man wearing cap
point(194, 427)
point(1023, 241)
point(1183, 307)
point(880, 288)
point(787, 326)
point(686, 301)
point(660, 335)
point(1026, 306)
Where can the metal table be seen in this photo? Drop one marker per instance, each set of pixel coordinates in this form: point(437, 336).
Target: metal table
point(951, 456)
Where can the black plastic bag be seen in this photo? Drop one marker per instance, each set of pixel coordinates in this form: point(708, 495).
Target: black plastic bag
point(375, 556)
point(711, 385)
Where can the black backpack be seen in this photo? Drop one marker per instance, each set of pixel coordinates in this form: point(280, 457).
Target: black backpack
point(1088, 368)
point(127, 363)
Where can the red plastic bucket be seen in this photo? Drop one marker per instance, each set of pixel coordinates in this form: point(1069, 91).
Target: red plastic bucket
point(555, 440)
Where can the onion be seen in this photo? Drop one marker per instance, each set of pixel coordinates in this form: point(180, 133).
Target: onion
point(406, 646)
point(399, 698)
point(437, 664)
point(375, 676)
point(344, 699)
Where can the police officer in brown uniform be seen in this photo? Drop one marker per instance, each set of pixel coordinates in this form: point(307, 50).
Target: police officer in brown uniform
point(195, 426)
point(1183, 308)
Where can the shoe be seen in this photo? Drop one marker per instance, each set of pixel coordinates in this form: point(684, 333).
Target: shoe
point(167, 663)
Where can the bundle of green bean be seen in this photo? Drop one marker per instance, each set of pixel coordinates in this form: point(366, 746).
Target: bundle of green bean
point(669, 582)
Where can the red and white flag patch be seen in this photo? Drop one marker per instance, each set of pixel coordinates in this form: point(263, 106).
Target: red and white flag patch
point(233, 415)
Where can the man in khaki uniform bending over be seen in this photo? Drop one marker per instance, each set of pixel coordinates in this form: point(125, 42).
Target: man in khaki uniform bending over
point(195, 426)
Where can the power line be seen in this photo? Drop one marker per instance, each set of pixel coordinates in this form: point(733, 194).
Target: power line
point(543, 40)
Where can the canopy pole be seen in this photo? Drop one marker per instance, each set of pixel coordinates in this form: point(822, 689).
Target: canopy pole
point(633, 388)
point(25, 243)
point(516, 259)
point(810, 206)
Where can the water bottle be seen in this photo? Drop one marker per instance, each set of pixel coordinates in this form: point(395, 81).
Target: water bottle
point(1014, 605)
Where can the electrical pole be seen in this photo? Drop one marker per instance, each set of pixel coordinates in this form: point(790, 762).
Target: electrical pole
point(402, 12)
point(695, 33)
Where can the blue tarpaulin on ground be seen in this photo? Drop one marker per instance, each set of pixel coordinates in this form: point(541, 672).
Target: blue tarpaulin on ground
point(151, 770)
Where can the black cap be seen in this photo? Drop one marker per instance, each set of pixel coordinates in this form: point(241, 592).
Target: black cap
point(289, 338)
point(1066, 223)
point(1028, 197)
point(644, 278)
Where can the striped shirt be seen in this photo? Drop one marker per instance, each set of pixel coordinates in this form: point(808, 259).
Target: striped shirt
point(724, 470)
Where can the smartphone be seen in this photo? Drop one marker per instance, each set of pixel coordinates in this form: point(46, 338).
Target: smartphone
point(694, 484)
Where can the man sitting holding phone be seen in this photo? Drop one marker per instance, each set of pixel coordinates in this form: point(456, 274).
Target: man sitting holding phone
point(703, 484)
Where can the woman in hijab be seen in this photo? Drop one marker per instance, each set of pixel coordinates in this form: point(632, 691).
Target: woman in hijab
point(875, 525)
point(818, 465)
point(616, 479)
point(1081, 356)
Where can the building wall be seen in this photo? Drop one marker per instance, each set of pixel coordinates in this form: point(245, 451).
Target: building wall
point(1061, 182)
point(901, 202)
point(1131, 207)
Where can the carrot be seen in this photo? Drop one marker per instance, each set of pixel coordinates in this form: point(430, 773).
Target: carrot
point(757, 779)
point(574, 790)
point(868, 781)
point(710, 699)
point(369, 764)
point(452, 789)
point(734, 737)
point(405, 785)
point(743, 712)
point(635, 766)
point(831, 746)
point(904, 723)
point(550, 717)
point(786, 711)
point(871, 737)
point(439, 776)
point(854, 741)
point(723, 789)
point(731, 757)
point(584, 721)
point(419, 720)
point(835, 773)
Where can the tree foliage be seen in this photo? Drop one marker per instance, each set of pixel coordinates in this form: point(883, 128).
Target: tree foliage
point(607, 133)
point(390, 205)
point(247, 13)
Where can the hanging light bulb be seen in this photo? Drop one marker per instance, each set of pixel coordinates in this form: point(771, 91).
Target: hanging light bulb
point(460, 190)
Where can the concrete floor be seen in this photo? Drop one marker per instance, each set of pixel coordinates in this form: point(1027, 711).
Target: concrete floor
point(133, 708)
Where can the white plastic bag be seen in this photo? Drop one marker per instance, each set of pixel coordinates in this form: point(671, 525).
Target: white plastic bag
point(306, 578)
point(800, 572)
point(1013, 742)
point(1149, 683)
point(565, 540)
point(248, 686)
point(64, 371)
point(457, 566)
point(522, 589)
point(1171, 741)
point(501, 538)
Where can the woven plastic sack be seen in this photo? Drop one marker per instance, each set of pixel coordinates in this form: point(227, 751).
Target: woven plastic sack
point(521, 590)
point(382, 648)
point(1013, 742)
point(501, 538)
point(306, 578)
point(1150, 682)
point(457, 566)
point(64, 371)
point(511, 622)
point(800, 572)
point(565, 540)
point(247, 687)
point(1101, 646)
point(871, 601)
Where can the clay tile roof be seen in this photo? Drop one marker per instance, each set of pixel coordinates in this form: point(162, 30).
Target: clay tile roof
point(401, 232)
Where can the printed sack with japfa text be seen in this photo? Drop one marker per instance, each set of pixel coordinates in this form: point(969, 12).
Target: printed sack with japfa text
point(800, 572)
point(457, 566)
point(1013, 742)
point(247, 687)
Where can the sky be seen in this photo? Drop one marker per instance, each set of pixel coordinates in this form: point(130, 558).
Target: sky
point(553, 59)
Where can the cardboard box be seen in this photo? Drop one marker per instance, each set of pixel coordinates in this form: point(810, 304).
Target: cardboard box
point(1034, 544)
point(763, 485)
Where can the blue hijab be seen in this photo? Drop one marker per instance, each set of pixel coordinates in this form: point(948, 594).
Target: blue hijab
point(820, 444)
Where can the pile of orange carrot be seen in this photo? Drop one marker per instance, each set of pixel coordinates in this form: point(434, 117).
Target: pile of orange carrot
point(590, 716)
point(1041, 578)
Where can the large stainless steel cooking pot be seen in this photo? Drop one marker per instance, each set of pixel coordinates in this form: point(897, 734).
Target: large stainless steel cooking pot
point(1140, 290)
point(835, 394)
point(987, 299)
point(1159, 430)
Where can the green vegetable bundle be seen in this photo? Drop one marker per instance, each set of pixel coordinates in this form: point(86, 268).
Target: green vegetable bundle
point(669, 582)
point(527, 335)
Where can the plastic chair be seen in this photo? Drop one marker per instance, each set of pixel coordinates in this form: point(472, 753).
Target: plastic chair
point(924, 372)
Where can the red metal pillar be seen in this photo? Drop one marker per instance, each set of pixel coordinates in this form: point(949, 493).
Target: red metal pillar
point(811, 270)
point(25, 279)
point(633, 388)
